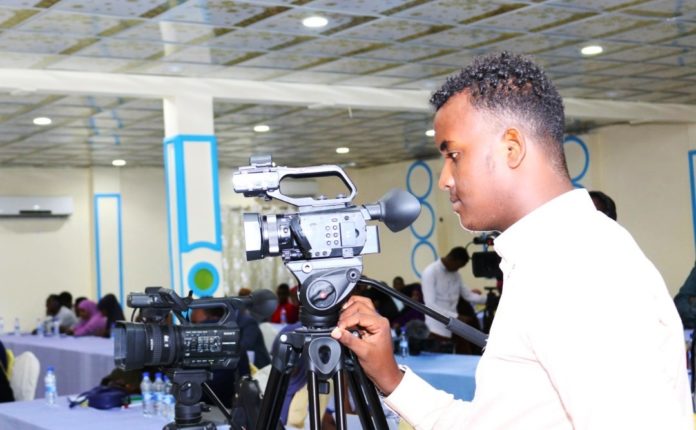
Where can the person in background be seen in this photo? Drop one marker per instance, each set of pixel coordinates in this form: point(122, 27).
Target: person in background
point(66, 300)
point(110, 308)
point(54, 309)
point(286, 308)
point(408, 313)
point(685, 300)
point(77, 303)
point(92, 322)
point(604, 204)
point(6, 394)
point(244, 291)
point(556, 357)
point(442, 286)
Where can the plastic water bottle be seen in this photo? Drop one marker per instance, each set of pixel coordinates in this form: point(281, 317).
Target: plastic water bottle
point(39, 327)
point(50, 384)
point(148, 395)
point(168, 401)
point(17, 327)
point(403, 343)
point(55, 327)
point(283, 316)
point(158, 391)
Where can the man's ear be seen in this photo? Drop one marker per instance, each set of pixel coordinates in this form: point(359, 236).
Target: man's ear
point(516, 147)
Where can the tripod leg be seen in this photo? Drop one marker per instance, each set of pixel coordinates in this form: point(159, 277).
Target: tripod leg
point(339, 399)
point(273, 397)
point(366, 399)
point(314, 413)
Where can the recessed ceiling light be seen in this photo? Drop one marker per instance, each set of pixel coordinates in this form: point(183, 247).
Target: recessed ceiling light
point(42, 120)
point(118, 163)
point(591, 50)
point(342, 150)
point(315, 21)
point(430, 133)
point(261, 128)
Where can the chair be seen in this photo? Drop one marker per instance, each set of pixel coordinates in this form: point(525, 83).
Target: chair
point(25, 376)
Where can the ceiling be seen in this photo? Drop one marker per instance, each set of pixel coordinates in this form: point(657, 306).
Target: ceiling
point(649, 55)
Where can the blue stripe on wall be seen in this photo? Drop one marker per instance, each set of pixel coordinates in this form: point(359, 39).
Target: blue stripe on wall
point(692, 184)
point(119, 235)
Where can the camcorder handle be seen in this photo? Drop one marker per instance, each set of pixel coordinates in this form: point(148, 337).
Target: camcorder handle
point(457, 327)
point(262, 178)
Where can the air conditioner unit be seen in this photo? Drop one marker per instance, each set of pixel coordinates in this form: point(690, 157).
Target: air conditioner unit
point(21, 206)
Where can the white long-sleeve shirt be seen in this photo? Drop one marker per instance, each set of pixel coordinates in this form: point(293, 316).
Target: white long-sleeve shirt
point(441, 290)
point(557, 358)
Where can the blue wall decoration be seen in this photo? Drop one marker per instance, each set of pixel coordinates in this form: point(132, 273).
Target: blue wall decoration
point(423, 238)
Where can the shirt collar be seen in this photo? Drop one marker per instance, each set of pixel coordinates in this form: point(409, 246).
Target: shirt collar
point(529, 232)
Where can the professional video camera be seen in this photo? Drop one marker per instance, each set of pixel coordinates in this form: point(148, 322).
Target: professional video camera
point(187, 345)
point(486, 264)
point(322, 244)
point(188, 351)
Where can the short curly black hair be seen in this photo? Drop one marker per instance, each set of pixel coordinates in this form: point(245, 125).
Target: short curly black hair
point(506, 84)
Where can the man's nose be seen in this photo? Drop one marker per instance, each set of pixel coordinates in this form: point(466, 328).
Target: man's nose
point(446, 180)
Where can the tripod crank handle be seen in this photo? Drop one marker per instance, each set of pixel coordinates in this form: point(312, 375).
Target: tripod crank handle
point(467, 332)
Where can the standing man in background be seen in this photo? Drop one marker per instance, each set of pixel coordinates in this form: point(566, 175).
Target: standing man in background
point(442, 286)
point(548, 363)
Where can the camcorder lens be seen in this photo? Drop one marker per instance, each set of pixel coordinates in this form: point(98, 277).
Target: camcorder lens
point(137, 345)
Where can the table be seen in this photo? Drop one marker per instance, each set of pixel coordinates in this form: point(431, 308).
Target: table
point(37, 415)
point(449, 372)
point(80, 363)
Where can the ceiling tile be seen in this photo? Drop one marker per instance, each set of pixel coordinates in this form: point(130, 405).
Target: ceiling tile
point(55, 21)
point(166, 31)
point(221, 13)
point(36, 43)
point(133, 8)
point(290, 21)
point(114, 48)
point(463, 37)
point(532, 18)
point(387, 30)
point(89, 64)
point(454, 11)
point(600, 25)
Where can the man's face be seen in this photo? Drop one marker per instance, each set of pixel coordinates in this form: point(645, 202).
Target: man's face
point(470, 142)
point(52, 307)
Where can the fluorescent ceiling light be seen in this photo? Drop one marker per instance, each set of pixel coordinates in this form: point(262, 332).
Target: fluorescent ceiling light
point(591, 50)
point(430, 133)
point(315, 22)
point(342, 150)
point(118, 163)
point(261, 128)
point(42, 120)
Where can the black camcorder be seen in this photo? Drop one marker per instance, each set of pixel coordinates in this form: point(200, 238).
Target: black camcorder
point(153, 342)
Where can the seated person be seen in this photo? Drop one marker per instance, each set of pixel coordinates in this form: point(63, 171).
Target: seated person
point(285, 306)
point(6, 394)
point(55, 310)
point(408, 313)
point(66, 300)
point(111, 309)
point(92, 322)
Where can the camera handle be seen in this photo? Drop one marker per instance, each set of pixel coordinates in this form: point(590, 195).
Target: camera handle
point(457, 327)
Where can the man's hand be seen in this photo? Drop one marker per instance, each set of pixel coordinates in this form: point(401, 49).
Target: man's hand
point(374, 346)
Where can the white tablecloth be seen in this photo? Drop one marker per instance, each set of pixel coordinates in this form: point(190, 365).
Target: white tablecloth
point(37, 415)
point(80, 363)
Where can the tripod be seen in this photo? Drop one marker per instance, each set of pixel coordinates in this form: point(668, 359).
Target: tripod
point(328, 360)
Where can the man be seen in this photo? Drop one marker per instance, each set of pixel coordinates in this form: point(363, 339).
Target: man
point(66, 318)
point(442, 286)
point(548, 363)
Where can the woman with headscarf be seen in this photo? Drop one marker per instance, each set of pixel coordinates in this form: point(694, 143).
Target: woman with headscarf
point(110, 308)
point(92, 322)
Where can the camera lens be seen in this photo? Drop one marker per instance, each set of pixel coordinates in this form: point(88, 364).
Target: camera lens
point(252, 236)
point(159, 343)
